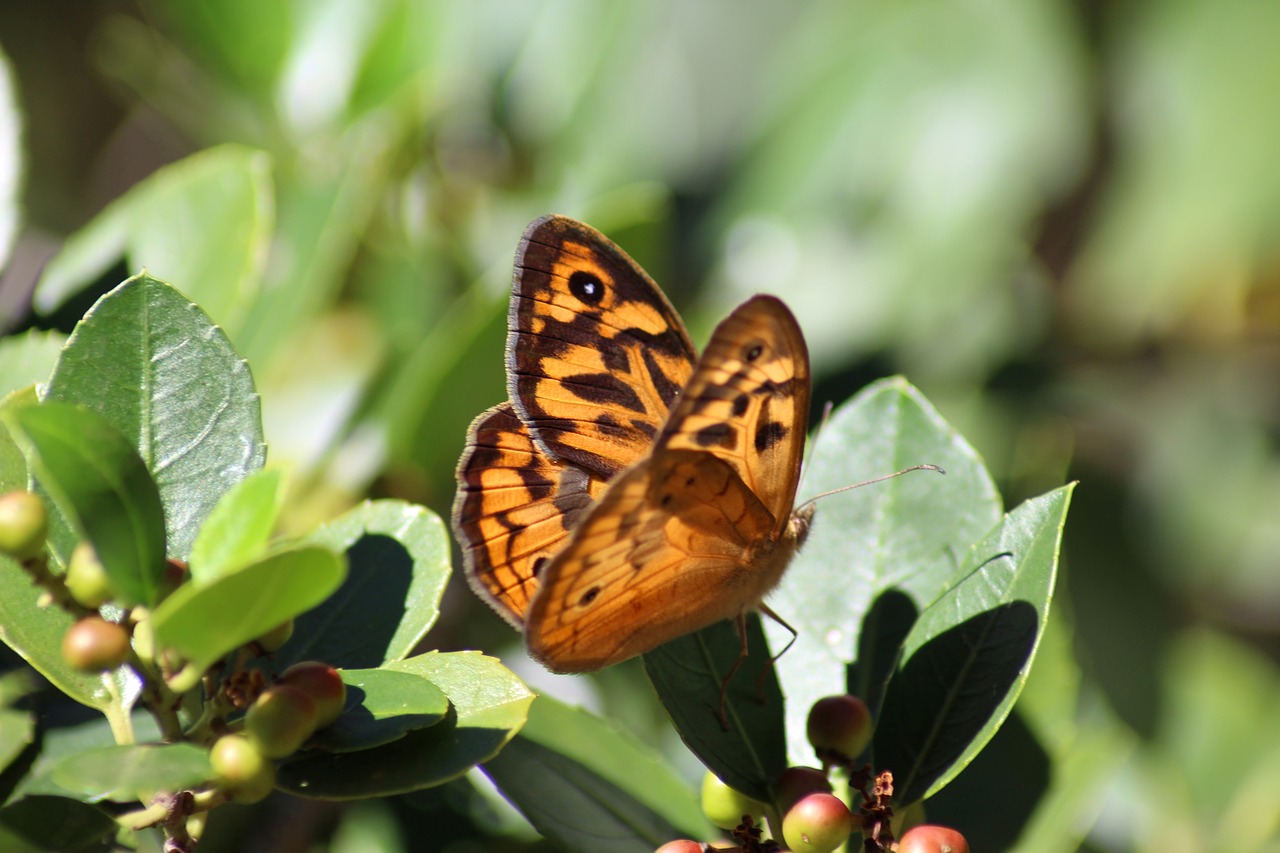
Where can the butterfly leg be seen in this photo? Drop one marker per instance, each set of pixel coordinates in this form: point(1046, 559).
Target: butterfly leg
point(737, 664)
point(768, 611)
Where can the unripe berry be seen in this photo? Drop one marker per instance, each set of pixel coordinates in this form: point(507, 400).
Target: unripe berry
point(95, 645)
point(933, 839)
point(280, 721)
point(839, 725)
point(724, 806)
point(276, 637)
point(796, 783)
point(323, 684)
point(24, 523)
point(85, 579)
point(818, 823)
point(682, 846)
point(241, 770)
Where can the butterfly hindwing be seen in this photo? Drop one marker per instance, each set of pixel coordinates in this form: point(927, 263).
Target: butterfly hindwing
point(596, 355)
point(514, 508)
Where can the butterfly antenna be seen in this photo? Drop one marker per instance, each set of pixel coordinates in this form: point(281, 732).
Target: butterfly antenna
point(881, 479)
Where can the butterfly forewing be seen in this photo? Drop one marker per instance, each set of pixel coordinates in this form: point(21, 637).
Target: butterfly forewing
point(596, 355)
point(514, 508)
point(748, 402)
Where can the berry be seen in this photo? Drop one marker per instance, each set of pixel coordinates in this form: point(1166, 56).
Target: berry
point(323, 684)
point(798, 782)
point(818, 823)
point(24, 523)
point(929, 838)
point(682, 846)
point(95, 645)
point(724, 806)
point(280, 721)
point(839, 725)
point(241, 770)
point(85, 579)
point(276, 637)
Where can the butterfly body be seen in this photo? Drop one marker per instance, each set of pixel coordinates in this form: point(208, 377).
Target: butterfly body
point(629, 493)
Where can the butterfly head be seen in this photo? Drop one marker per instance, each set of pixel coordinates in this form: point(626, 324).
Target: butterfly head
point(801, 521)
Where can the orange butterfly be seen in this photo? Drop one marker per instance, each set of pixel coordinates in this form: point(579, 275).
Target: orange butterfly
point(629, 493)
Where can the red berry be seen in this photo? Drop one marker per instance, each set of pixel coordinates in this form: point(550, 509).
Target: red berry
point(323, 684)
point(796, 783)
point(280, 721)
point(681, 846)
point(241, 770)
point(24, 523)
point(95, 645)
point(818, 823)
point(930, 838)
point(839, 725)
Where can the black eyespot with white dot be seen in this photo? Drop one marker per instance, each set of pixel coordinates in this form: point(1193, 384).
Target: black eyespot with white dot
point(587, 287)
point(589, 596)
point(753, 352)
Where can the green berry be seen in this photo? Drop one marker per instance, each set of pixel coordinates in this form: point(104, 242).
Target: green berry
point(241, 770)
point(724, 806)
point(818, 823)
point(929, 838)
point(276, 637)
point(323, 684)
point(95, 645)
point(24, 524)
point(85, 579)
point(280, 721)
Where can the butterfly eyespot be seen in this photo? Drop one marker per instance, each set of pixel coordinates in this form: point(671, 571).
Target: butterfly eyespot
point(586, 287)
point(753, 352)
point(589, 596)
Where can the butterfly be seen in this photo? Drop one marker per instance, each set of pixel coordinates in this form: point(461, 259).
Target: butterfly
point(629, 492)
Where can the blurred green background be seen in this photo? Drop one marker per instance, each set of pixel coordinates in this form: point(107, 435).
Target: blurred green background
point(1059, 219)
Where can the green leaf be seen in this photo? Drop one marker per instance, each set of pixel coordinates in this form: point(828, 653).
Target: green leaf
point(906, 534)
point(399, 561)
point(133, 771)
point(969, 653)
point(489, 703)
point(97, 479)
point(17, 732)
point(586, 785)
point(382, 705)
point(28, 358)
point(204, 622)
point(688, 673)
point(35, 633)
point(238, 527)
point(11, 162)
point(205, 221)
point(68, 741)
point(157, 368)
point(54, 823)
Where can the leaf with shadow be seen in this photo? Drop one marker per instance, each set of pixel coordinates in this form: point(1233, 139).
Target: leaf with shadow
point(968, 655)
point(688, 673)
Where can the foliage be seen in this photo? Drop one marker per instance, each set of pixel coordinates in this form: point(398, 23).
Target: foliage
point(1054, 218)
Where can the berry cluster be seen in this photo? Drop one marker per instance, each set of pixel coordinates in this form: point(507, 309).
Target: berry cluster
point(814, 817)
